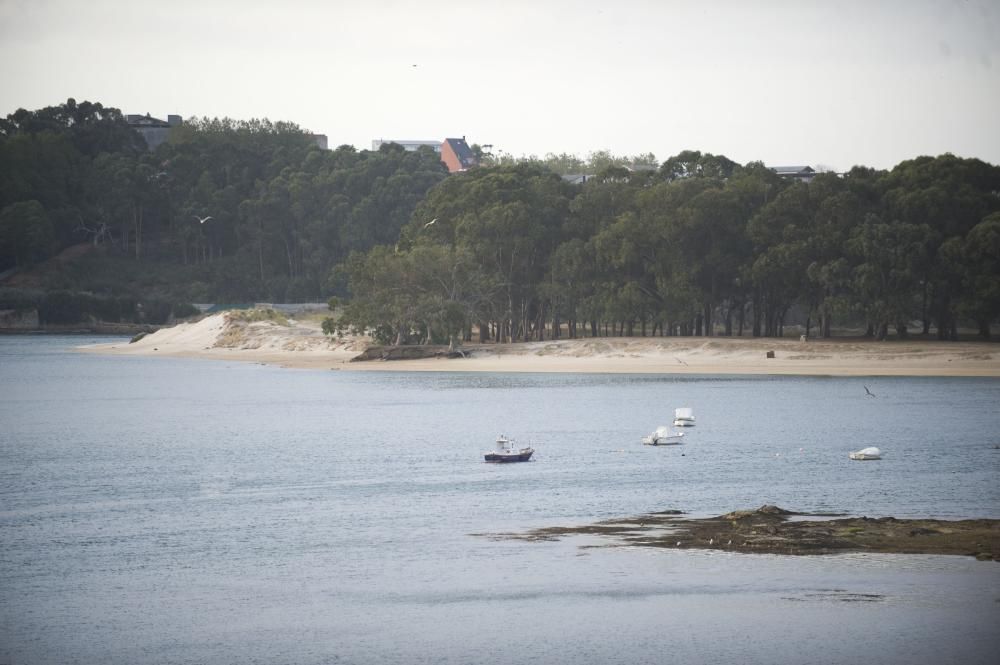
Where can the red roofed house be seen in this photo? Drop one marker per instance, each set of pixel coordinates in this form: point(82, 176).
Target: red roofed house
point(457, 156)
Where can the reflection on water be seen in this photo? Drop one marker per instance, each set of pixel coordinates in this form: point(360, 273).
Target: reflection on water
point(160, 510)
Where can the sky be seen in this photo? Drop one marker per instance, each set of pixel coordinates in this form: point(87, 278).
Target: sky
point(831, 83)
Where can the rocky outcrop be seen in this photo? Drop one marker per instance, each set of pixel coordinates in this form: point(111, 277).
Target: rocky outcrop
point(767, 530)
point(414, 352)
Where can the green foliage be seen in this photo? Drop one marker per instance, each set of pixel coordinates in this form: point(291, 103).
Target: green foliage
point(185, 310)
point(278, 212)
point(64, 307)
point(20, 300)
point(69, 307)
point(240, 211)
point(26, 233)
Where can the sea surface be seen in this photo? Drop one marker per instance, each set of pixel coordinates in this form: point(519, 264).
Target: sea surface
point(156, 510)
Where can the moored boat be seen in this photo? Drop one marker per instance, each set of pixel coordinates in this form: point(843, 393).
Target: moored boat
point(683, 417)
point(663, 436)
point(866, 454)
point(507, 451)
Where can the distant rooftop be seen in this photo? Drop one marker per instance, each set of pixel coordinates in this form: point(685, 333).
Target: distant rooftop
point(153, 130)
point(792, 170)
point(410, 145)
point(149, 121)
point(462, 153)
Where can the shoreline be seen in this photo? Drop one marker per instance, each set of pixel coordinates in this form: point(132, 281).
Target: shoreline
point(303, 345)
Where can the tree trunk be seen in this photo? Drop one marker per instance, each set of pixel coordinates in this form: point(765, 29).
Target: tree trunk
point(756, 316)
point(923, 311)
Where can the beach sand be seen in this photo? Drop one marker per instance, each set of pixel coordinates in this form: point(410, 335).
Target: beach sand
point(302, 344)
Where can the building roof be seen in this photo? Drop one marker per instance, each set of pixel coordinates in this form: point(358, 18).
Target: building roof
point(145, 121)
point(462, 152)
point(792, 170)
point(407, 144)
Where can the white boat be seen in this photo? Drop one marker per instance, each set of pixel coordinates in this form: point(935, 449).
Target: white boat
point(867, 453)
point(663, 436)
point(683, 417)
point(507, 451)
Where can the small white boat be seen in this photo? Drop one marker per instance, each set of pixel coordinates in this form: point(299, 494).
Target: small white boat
point(507, 451)
point(683, 417)
point(867, 453)
point(663, 436)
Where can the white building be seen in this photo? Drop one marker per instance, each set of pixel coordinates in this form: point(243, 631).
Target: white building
point(408, 145)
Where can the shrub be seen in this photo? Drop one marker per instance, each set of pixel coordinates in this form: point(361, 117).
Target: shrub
point(184, 310)
point(64, 307)
point(255, 315)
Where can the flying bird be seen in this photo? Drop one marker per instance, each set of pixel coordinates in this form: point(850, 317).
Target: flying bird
point(202, 220)
point(870, 393)
point(679, 360)
point(430, 222)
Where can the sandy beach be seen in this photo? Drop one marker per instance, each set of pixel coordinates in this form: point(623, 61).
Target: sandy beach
point(302, 344)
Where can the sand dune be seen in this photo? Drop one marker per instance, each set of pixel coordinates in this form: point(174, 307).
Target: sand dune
point(302, 344)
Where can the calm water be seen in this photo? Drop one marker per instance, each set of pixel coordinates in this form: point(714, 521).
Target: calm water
point(169, 511)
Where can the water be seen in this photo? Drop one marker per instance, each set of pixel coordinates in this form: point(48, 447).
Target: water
point(167, 511)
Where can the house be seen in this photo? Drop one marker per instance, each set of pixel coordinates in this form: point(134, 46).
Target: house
point(408, 144)
point(801, 173)
point(153, 130)
point(457, 155)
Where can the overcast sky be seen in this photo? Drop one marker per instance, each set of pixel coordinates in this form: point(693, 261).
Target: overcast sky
point(833, 83)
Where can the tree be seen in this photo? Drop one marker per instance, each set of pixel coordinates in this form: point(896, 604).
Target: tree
point(979, 260)
point(25, 233)
point(887, 275)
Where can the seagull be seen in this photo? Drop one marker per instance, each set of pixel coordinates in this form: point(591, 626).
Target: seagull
point(679, 360)
point(711, 541)
point(870, 393)
point(202, 220)
point(430, 222)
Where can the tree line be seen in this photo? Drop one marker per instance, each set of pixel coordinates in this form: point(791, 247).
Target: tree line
point(699, 246)
point(223, 211)
point(237, 211)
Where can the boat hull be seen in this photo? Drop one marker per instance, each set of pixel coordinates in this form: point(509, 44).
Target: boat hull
point(522, 456)
point(662, 442)
point(871, 453)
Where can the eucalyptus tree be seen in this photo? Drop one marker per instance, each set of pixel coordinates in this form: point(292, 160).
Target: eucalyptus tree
point(887, 275)
point(949, 195)
point(978, 256)
point(510, 220)
point(781, 233)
